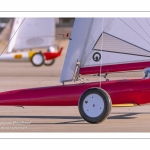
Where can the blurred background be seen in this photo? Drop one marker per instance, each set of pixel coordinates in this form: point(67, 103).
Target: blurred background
point(14, 75)
point(62, 25)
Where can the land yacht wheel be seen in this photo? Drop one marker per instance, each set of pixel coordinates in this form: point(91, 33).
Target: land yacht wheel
point(95, 105)
point(37, 59)
point(49, 62)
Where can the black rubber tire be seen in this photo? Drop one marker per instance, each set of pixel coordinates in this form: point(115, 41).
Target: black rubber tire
point(107, 105)
point(37, 65)
point(49, 64)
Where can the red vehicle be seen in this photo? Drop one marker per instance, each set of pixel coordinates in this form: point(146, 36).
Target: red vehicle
point(46, 58)
point(98, 45)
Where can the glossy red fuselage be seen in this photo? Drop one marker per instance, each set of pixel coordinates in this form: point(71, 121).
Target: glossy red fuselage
point(121, 91)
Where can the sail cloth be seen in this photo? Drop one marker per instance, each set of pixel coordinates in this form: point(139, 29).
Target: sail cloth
point(109, 44)
point(28, 33)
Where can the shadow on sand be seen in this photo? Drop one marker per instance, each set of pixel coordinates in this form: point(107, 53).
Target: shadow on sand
point(124, 116)
point(77, 119)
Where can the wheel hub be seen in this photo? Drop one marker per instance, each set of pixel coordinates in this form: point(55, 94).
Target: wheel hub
point(93, 105)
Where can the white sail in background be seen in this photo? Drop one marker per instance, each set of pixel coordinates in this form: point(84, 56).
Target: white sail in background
point(107, 42)
point(28, 33)
point(13, 36)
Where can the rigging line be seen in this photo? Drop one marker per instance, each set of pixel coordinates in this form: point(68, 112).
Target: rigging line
point(110, 20)
point(103, 30)
point(88, 34)
point(147, 21)
point(134, 31)
point(12, 37)
point(141, 27)
point(85, 56)
point(101, 53)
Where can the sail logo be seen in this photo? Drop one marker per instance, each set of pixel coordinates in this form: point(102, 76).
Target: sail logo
point(18, 56)
point(96, 56)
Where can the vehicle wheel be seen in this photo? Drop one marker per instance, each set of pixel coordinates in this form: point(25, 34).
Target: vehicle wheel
point(49, 62)
point(94, 105)
point(37, 59)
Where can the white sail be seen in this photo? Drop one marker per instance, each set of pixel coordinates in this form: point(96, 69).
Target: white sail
point(28, 33)
point(107, 41)
point(13, 36)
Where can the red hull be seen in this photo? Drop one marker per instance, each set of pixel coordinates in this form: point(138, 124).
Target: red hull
point(114, 68)
point(52, 55)
point(123, 91)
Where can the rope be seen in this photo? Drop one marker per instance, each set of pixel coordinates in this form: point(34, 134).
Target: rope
point(141, 28)
point(134, 31)
point(101, 53)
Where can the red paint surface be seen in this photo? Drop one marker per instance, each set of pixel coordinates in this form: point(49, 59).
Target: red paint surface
point(52, 55)
point(114, 68)
point(122, 91)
